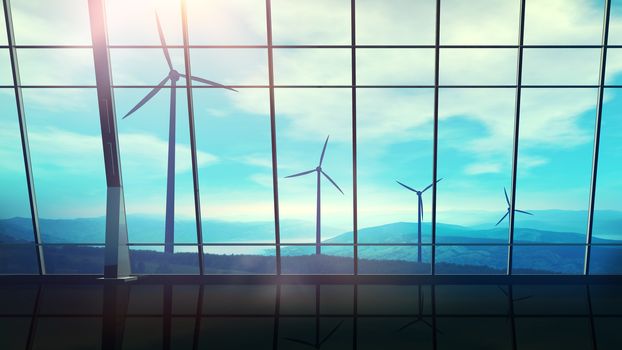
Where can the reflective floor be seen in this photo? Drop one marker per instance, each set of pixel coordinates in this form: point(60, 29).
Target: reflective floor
point(140, 315)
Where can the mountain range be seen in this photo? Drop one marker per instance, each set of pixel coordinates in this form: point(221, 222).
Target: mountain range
point(553, 226)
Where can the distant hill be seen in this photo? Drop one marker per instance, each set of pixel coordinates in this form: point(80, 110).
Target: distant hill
point(550, 226)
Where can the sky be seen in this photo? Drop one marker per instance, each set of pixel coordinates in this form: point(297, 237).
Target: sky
point(394, 126)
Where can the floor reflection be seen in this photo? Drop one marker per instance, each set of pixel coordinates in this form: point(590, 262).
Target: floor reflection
point(307, 316)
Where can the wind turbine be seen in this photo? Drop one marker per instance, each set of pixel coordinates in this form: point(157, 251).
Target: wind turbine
point(419, 214)
point(173, 75)
point(319, 172)
point(507, 200)
point(419, 316)
point(318, 343)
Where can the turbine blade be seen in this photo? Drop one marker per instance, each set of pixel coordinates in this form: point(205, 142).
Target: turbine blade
point(408, 187)
point(524, 212)
point(503, 291)
point(506, 196)
point(331, 180)
point(330, 334)
point(420, 208)
point(208, 82)
point(522, 298)
point(163, 42)
point(147, 97)
point(408, 325)
point(299, 341)
point(427, 188)
point(498, 222)
point(324, 150)
point(432, 327)
point(302, 173)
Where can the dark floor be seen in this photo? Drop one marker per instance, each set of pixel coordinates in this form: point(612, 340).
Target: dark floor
point(142, 315)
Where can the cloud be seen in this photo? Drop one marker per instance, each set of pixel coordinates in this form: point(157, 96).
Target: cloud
point(147, 155)
point(482, 168)
point(258, 160)
point(57, 150)
point(262, 180)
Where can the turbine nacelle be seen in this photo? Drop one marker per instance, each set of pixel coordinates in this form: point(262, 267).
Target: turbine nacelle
point(507, 212)
point(174, 75)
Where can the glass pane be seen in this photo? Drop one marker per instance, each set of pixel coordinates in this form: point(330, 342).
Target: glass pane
point(606, 299)
point(6, 75)
point(231, 66)
point(303, 260)
point(185, 299)
point(606, 260)
point(479, 22)
point(240, 260)
point(236, 189)
point(335, 332)
point(67, 163)
point(73, 259)
point(615, 23)
point(144, 148)
point(478, 66)
point(142, 333)
point(305, 118)
point(395, 135)
point(56, 67)
point(225, 333)
point(144, 66)
point(471, 260)
point(146, 299)
point(3, 36)
point(323, 22)
point(546, 333)
point(17, 258)
point(472, 300)
point(576, 22)
point(552, 259)
point(135, 23)
point(312, 67)
point(234, 300)
point(227, 22)
point(43, 22)
point(474, 333)
point(393, 299)
point(17, 299)
point(394, 260)
point(153, 260)
point(614, 67)
point(395, 22)
point(68, 333)
point(554, 164)
point(14, 332)
point(336, 299)
point(476, 130)
point(608, 207)
point(561, 66)
point(395, 67)
point(550, 300)
point(380, 332)
point(606, 331)
point(298, 299)
point(15, 219)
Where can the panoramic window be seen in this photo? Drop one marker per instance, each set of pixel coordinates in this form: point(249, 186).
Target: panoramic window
point(260, 137)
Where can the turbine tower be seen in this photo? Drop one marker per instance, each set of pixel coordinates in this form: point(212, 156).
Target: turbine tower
point(319, 172)
point(507, 200)
point(419, 213)
point(173, 75)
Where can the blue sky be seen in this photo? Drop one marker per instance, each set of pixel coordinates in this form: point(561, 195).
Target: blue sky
point(394, 125)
